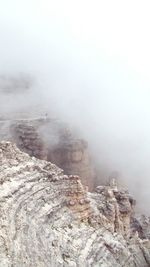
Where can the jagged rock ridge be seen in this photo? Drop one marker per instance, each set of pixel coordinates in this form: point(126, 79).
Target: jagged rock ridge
point(49, 219)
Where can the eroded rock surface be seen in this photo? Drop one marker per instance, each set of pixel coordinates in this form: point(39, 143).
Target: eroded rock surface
point(49, 219)
point(51, 140)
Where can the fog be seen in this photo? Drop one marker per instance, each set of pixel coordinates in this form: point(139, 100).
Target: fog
point(89, 65)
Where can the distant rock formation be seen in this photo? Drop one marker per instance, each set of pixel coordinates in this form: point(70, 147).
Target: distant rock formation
point(15, 84)
point(50, 219)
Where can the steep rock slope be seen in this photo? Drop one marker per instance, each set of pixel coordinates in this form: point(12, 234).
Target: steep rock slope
point(49, 219)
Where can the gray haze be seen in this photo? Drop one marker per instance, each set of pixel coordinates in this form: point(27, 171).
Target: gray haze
point(88, 63)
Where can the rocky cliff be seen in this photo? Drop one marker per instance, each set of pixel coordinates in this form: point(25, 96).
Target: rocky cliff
point(51, 140)
point(49, 219)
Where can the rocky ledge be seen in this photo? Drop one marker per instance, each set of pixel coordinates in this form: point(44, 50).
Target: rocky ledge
point(50, 219)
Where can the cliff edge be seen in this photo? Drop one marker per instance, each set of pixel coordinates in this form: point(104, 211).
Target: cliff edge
point(50, 219)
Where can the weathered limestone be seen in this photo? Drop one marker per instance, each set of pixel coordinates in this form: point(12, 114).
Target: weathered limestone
point(49, 219)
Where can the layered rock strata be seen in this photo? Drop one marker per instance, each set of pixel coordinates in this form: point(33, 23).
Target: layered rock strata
point(49, 219)
point(51, 140)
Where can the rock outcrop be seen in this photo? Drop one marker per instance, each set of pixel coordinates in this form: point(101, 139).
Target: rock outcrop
point(51, 140)
point(50, 219)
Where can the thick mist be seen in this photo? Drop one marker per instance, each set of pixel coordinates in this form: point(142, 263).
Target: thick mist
point(88, 63)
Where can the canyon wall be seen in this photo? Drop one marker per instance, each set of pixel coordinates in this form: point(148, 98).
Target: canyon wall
point(50, 219)
point(51, 140)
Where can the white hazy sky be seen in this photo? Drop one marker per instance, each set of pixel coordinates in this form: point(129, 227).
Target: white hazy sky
point(92, 60)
